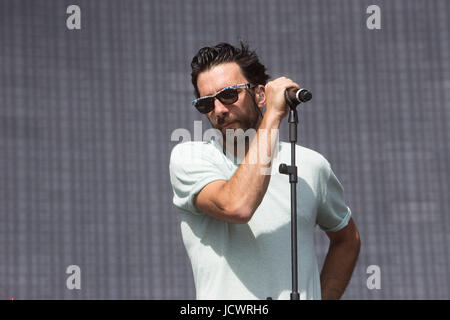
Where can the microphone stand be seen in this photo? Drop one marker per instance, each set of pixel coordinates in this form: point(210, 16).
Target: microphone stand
point(293, 97)
point(291, 170)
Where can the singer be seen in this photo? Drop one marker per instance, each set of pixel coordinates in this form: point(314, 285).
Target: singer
point(235, 219)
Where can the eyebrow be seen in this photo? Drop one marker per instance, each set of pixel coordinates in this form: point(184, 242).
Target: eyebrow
point(226, 87)
point(211, 94)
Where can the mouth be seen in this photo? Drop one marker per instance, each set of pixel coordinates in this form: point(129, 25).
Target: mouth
point(228, 124)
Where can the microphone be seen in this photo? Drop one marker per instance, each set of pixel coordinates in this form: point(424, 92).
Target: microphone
point(295, 96)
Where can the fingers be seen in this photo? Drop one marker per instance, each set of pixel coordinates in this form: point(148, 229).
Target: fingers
point(276, 102)
point(283, 83)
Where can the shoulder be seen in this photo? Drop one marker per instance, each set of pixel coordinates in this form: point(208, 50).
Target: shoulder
point(304, 154)
point(183, 148)
point(312, 155)
point(195, 152)
point(310, 162)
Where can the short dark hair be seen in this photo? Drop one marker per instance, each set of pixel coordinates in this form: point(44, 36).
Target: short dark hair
point(208, 57)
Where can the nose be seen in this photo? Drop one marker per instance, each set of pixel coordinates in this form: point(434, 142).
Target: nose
point(219, 108)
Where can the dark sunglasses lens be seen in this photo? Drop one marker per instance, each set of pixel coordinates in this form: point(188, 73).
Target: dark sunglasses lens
point(205, 105)
point(228, 96)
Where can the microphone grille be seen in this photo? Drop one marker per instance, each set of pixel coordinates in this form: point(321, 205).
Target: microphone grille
point(303, 95)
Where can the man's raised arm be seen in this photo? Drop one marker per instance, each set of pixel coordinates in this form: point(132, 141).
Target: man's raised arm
point(237, 199)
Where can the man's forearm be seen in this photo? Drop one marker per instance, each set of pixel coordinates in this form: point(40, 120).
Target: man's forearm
point(248, 185)
point(338, 268)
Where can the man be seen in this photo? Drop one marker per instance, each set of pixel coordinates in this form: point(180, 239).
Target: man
point(235, 217)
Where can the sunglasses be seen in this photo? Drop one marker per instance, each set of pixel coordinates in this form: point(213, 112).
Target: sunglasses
point(226, 96)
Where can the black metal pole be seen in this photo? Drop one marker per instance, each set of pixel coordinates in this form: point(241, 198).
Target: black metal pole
point(298, 96)
point(291, 170)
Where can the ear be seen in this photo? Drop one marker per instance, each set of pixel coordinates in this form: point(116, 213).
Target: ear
point(260, 95)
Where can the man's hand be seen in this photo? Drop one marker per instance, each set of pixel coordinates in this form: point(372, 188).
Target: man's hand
point(275, 100)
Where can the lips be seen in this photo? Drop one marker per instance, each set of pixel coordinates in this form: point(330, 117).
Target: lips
point(228, 124)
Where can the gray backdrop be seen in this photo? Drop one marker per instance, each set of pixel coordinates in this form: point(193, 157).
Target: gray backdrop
point(86, 118)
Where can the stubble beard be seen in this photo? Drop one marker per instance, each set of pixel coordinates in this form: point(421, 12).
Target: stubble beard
point(240, 137)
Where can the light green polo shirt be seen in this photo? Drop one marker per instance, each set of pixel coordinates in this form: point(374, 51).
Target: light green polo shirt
point(253, 260)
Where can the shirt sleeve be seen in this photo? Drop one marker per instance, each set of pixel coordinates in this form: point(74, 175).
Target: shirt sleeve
point(192, 166)
point(333, 214)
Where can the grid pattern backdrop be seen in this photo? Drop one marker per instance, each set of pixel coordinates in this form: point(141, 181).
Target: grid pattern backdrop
point(86, 118)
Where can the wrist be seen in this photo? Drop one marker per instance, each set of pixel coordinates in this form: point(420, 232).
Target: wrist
point(273, 118)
